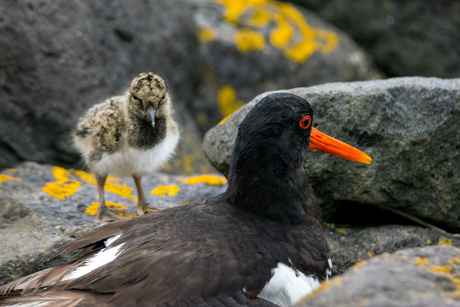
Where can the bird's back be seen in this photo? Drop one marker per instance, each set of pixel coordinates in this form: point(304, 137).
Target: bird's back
point(100, 130)
point(204, 251)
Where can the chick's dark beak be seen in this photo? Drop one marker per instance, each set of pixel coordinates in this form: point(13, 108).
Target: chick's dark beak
point(327, 144)
point(152, 111)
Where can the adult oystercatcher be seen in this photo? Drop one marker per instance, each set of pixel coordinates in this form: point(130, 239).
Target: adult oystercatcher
point(261, 243)
point(131, 134)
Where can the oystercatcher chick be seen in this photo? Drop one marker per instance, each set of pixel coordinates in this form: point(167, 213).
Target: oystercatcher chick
point(133, 134)
point(260, 243)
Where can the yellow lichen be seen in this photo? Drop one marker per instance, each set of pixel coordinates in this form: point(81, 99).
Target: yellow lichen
point(225, 119)
point(421, 261)
point(92, 209)
point(292, 33)
point(369, 254)
point(341, 230)
point(206, 34)
point(227, 100)
point(4, 178)
point(359, 264)
point(86, 177)
point(11, 170)
point(233, 9)
point(260, 18)
point(428, 241)
point(208, 179)
point(63, 187)
point(61, 191)
point(122, 190)
point(440, 269)
point(444, 241)
point(247, 40)
point(110, 186)
point(281, 36)
point(165, 190)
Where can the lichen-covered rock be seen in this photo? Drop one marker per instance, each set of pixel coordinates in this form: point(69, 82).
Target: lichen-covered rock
point(409, 126)
point(43, 207)
point(349, 246)
point(392, 32)
point(428, 276)
point(59, 58)
point(250, 47)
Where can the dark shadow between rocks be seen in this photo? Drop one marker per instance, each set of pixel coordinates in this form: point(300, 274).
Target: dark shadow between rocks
point(357, 214)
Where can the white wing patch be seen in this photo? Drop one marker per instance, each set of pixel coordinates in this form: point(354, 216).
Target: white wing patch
point(104, 256)
point(288, 286)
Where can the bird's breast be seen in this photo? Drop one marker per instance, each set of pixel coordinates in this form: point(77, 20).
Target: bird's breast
point(130, 160)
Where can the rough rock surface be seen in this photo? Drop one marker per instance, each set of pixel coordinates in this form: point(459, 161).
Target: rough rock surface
point(250, 47)
point(409, 126)
point(349, 246)
point(43, 207)
point(406, 38)
point(428, 276)
point(58, 58)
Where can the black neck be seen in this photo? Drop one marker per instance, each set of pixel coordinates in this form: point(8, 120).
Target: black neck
point(268, 180)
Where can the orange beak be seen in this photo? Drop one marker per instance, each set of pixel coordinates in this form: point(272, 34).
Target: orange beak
point(327, 144)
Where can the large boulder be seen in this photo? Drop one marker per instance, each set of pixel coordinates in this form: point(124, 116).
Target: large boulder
point(43, 207)
point(426, 276)
point(405, 38)
point(58, 58)
point(250, 47)
point(409, 126)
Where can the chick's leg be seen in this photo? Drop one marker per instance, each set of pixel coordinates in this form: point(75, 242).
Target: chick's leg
point(142, 204)
point(104, 213)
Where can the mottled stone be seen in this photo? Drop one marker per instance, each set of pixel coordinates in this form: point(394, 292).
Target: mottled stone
point(59, 58)
point(405, 38)
point(428, 276)
point(250, 47)
point(351, 245)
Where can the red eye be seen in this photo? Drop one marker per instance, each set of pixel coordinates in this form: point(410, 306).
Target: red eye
point(305, 122)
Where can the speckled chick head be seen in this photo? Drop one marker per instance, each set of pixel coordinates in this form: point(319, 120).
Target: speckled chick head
point(149, 89)
point(147, 95)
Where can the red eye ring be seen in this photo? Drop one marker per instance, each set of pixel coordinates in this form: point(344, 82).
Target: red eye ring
point(305, 122)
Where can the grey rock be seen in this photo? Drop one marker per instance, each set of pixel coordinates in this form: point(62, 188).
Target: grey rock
point(426, 276)
point(236, 70)
point(349, 246)
point(34, 224)
point(409, 126)
point(60, 58)
point(406, 38)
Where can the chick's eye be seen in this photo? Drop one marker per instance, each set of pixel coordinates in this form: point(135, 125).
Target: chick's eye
point(305, 122)
point(135, 97)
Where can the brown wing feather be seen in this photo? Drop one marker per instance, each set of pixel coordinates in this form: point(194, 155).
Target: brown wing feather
point(89, 244)
point(93, 237)
point(59, 297)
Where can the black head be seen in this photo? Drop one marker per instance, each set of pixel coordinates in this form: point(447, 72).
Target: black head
point(266, 175)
